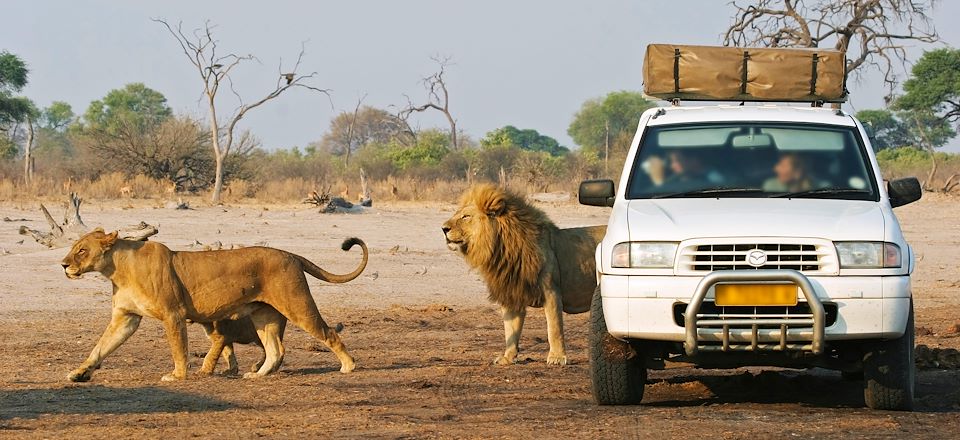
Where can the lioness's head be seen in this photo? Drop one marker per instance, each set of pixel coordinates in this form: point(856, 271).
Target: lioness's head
point(87, 253)
point(475, 219)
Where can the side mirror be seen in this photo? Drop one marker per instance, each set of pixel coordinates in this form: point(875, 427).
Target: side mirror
point(903, 191)
point(598, 192)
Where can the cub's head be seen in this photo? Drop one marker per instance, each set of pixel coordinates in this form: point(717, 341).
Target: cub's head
point(87, 254)
point(474, 225)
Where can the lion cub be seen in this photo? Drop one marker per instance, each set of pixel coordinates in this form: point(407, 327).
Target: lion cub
point(226, 332)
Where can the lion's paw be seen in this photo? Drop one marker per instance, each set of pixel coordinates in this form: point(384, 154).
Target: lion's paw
point(505, 360)
point(347, 367)
point(252, 375)
point(556, 359)
point(80, 375)
point(170, 377)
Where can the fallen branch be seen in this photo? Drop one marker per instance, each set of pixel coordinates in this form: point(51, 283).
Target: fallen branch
point(66, 233)
point(951, 184)
point(317, 199)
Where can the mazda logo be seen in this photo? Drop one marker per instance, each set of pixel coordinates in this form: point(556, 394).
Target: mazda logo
point(756, 258)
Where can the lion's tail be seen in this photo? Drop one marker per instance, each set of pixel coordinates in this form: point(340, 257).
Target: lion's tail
point(319, 273)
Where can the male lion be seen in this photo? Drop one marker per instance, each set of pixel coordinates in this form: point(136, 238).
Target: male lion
point(526, 261)
point(151, 280)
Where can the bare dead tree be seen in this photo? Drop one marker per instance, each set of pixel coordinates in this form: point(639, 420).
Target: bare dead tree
point(438, 98)
point(350, 129)
point(873, 33)
point(403, 126)
point(214, 69)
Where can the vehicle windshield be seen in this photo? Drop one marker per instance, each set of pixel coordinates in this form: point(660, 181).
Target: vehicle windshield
point(752, 159)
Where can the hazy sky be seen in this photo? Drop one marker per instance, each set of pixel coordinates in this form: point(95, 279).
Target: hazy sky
point(526, 63)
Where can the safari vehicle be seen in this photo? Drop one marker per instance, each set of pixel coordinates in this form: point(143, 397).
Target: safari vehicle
point(753, 235)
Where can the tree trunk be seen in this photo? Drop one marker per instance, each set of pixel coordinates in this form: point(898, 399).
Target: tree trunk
point(218, 156)
point(933, 155)
point(218, 181)
point(28, 154)
point(933, 168)
point(453, 131)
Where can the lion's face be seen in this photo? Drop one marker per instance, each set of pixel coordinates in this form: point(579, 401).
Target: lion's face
point(87, 254)
point(476, 219)
point(463, 225)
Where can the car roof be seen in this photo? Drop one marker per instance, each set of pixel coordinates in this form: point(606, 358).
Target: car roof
point(761, 113)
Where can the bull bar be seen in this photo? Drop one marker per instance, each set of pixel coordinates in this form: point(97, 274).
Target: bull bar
point(746, 334)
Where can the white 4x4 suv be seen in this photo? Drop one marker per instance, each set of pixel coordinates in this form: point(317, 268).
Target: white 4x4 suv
point(753, 235)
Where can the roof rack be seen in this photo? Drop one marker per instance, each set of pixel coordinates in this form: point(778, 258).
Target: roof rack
point(708, 73)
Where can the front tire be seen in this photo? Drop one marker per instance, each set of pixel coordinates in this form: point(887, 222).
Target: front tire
point(617, 369)
point(889, 372)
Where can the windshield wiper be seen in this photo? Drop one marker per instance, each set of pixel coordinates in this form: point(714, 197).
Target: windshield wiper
point(709, 192)
point(820, 192)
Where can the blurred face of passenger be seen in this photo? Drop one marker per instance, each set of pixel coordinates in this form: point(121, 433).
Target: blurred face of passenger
point(684, 163)
point(788, 170)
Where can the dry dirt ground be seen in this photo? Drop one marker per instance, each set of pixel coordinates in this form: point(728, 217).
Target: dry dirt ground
point(423, 334)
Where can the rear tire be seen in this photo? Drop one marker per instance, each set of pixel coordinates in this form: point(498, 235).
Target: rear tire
point(617, 369)
point(889, 372)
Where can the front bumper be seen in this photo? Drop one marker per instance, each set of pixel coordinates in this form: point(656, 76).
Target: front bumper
point(642, 307)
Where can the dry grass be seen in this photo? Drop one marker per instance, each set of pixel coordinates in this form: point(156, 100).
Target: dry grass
point(117, 186)
point(111, 186)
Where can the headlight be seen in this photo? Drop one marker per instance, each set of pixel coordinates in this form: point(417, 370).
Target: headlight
point(644, 254)
point(868, 255)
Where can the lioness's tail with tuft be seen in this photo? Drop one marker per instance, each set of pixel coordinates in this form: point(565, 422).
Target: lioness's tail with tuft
point(351, 242)
point(320, 274)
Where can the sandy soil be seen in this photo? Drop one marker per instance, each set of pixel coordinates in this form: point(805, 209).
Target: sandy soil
point(423, 334)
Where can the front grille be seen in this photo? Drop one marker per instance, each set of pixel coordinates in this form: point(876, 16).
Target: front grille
point(802, 257)
point(712, 311)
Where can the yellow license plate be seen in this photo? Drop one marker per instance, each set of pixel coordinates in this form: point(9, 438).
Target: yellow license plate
point(755, 295)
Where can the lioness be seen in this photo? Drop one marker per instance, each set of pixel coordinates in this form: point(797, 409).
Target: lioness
point(526, 261)
point(151, 280)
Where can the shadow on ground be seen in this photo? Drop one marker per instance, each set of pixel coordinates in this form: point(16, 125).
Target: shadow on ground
point(936, 391)
point(32, 403)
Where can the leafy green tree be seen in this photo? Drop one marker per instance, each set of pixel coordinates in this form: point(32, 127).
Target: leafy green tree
point(57, 116)
point(888, 131)
point(431, 147)
point(134, 107)
point(608, 121)
point(13, 77)
point(931, 101)
point(934, 85)
point(528, 140)
point(133, 130)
